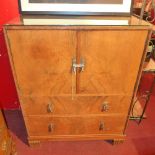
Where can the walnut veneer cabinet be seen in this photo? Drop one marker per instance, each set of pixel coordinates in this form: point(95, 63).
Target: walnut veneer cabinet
point(7, 146)
point(76, 78)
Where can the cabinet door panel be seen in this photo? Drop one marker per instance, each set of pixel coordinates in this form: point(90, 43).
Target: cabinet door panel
point(112, 59)
point(42, 60)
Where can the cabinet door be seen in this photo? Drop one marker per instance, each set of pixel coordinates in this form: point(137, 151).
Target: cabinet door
point(42, 60)
point(112, 59)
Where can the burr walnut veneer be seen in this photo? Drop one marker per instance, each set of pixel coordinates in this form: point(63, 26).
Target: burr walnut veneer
point(76, 82)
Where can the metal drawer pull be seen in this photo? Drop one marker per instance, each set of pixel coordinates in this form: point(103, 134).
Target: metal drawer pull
point(105, 107)
point(50, 127)
point(75, 65)
point(50, 108)
point(101, 126)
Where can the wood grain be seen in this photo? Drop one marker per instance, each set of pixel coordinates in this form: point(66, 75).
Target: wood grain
point(2, 121)
point(39, 126)
point(7, 146)
point(43, 60)
point(111, 61)
point(78, 106)
point(76, 137)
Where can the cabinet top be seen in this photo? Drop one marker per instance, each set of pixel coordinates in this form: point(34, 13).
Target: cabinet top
point(78, 20)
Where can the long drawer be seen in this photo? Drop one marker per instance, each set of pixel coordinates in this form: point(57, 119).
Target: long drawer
point(78, 105)
point(48, 126)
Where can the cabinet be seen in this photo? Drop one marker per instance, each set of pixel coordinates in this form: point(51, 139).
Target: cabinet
point(76, 82)
point(7, 146)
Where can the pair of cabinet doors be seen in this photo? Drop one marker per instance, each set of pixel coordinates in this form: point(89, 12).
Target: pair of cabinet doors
point(66, 61)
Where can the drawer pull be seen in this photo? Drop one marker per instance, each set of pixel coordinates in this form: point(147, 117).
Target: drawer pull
point(81, 65)
point(50, 108)
point(105, 107)
point(50, 128)
point(101, 126)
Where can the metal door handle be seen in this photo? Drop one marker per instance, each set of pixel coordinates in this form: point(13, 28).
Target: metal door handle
point(81, 65)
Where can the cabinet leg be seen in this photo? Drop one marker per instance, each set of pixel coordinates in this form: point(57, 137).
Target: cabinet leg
point(33, 143)
point(118, 141)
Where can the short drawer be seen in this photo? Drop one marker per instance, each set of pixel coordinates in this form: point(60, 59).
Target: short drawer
point(48, 126)
point(78, 105)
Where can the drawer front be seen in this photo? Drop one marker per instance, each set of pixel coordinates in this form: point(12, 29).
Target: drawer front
point(78, 105)
point(48, 126)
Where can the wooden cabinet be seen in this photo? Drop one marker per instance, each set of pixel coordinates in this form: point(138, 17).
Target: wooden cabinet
point(7, 146)
point(76, 82)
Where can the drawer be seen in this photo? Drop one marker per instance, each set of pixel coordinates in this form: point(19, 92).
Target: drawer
point(77, 106)
point(48, 126)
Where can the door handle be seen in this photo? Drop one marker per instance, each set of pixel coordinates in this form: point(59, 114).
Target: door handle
point(81, 65)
